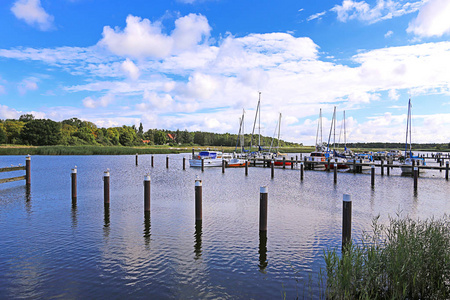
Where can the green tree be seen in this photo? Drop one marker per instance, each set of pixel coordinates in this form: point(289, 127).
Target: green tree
point(26, 118)
point(41, 132)
point(13, 129)
point(86, 135)
point(2, 135)
point(127, 135)
point(160, 137)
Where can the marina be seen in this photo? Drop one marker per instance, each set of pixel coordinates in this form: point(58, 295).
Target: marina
point(57, 247)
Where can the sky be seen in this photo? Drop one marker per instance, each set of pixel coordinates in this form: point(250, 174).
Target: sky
point(198, 64)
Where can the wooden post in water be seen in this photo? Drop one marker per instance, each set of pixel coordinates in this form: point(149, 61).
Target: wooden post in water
point(272, 169)
point(354, 165)
point(382, 167)
point(106, 188)
point(335, 172)
point(372, 175)
point(446, 169)
point(136, 159)
point(147, 193)
point(264, 161)
point(246, 167)
point(301, 171)
point(284, 162)
point(292, 162)
point(346, 221)
point(203, 164)
point(28, 170)
point(328, 165)
point(152, 161)
point(167, 161)
point(198, 199)
point(184, 163)
point(441, 163)
point(263, 199)
point(193, 153)
point(416, 175)
point(223, 166)
point(74, 185)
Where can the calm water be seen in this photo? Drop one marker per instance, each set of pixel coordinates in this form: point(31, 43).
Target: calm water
point(50, 249)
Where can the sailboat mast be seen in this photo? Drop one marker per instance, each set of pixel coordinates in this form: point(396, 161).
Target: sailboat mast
point(279, 127)
point(345, 135)
point(331, 128)
point(254, 124)
point(408, 130)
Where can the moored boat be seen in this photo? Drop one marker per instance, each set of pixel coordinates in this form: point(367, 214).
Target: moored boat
point(209, 158)
point(236, 163)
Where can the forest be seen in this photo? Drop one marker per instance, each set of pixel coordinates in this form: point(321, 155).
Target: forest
point(28, 130)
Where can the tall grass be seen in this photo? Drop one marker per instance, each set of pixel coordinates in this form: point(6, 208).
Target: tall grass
point(85, 150)
point(407, 259)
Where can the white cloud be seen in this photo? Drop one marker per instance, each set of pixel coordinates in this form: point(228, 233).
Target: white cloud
point(32, 13)
point(8, 113)
point(388, 34)
point(130, 69)
point(393, 94)
point(316, 16)
point(28, 84)
point(433, 19)
point(104, 101)
point(152, 100)
point(384, 9)
point(143, 39)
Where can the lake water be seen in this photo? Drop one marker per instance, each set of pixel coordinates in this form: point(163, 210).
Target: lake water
point(50, 249)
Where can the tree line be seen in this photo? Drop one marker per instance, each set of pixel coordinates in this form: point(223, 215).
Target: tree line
point(27, 130)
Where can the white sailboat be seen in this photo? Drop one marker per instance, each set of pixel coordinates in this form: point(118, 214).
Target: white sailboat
point(411, 161)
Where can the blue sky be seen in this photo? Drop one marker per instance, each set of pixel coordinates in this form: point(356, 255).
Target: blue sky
point(195, 64)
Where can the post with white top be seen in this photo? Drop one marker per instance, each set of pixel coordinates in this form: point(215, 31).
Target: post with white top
point(335, 172)
point(301, 171)
point(416, 175)
point(272, 169)
point(147, 193)
point(28, 170)
point(106, 188)
point(446, 169)
point(372, 175)
point(346, 221)
point(74, 185)
point(263, 199)
point(198, 199)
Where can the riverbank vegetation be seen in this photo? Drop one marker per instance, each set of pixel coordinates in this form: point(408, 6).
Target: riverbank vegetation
point(406, 259)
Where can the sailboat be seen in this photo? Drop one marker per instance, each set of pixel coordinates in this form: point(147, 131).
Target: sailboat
point(334, 158)
point(411, 161)
point(278, 157)
point(319, 154)
point(239, 160)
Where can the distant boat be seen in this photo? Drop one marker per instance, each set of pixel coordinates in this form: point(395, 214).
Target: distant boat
point(411, 161)
point(236, 163)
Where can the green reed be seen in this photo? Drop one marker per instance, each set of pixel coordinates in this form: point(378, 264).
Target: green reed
point(87, 150)
point(407, 259)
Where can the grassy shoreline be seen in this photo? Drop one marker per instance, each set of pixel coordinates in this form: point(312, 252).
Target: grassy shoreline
point(120, 150)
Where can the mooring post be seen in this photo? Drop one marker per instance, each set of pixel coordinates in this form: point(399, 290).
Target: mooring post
point(167, 161)
point(193, 153)
point(382, 167)
point(246, 168)
point(152, 161)
point(263, 199)
point(301, 170)
point(335, 172)
point(147, 193)
point(346, 221)
point(272, 169)
point(223, 166)
point(372, 175)
point(292, 162)
point(28, 170)
point(328, 164)
point(284, 162)
point(446, 169)
point(74, 184)
point(198, 199)
point(354, 165)
point(136, 159)
point(106, 188)
point(203, 164)
point(416, 175)
point(184, 163)
point(441, 163)
point(387, 167)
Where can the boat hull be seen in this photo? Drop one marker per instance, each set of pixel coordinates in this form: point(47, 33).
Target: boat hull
point(207, 163)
